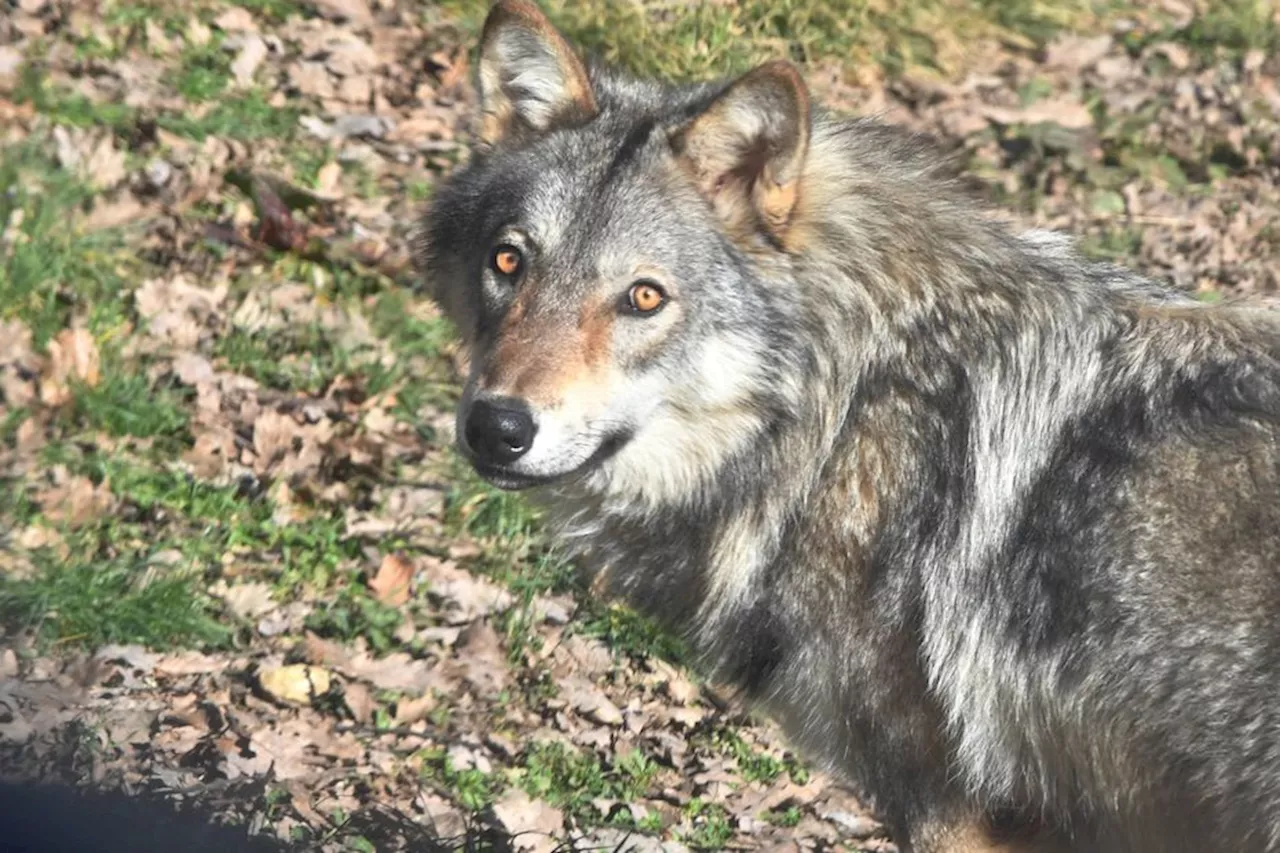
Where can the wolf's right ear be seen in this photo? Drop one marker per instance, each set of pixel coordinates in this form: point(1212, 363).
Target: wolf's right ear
point(746, 151)
point(531, 81)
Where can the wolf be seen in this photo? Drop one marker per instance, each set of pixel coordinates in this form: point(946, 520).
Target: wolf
point(991, 529)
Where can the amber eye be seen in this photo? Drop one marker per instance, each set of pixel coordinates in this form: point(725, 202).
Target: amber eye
point(506, 260)
point(645, 297)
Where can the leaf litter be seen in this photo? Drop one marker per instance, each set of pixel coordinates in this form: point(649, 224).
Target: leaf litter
point(401, 689)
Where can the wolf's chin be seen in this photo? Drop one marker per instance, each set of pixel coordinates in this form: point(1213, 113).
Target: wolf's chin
point(514, 481)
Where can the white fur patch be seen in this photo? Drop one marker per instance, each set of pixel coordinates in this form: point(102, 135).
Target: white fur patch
point(1018, 420)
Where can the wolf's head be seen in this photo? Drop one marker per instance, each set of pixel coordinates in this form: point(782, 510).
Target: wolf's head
point(610, 256)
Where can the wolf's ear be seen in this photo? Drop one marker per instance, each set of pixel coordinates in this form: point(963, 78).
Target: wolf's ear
point(530, 78)
point(746, 151)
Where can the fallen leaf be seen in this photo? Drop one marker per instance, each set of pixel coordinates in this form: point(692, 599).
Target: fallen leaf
point(295, 684)
point(327, 178)
point(177, 312)
point(482, 658)
point(106, 166)
point(531, 823)
point(589, 701)
point(113, 212)
point(465, 596)
point(73, 355)
point(1075, 53)
point(355, 11)
point(192, 368)
point(399, 671)
point(413, 709)
point(236, 20)
point(1069, 114)
point(134, 656)
point(360, 702)
point(38, 536)
point(75, 501)
point(390, 585)
point(246, 600)
point(282, 751)
point(246, 63)
point(189, 663)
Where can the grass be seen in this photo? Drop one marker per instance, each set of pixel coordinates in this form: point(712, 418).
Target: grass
point(713, 39)
point(574, 779)
point(565, 777)
point(125, 403)
point(53, 272)
point(709, 824)
point(116, 579)
point(756, 766)
point(109, 600)
point(245, 116)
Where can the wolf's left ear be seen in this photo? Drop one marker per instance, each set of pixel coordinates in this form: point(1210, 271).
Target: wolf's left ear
point(746, 151)
point(530, 78)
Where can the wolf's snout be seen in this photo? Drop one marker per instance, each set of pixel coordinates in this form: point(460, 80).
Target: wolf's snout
point(499, 431)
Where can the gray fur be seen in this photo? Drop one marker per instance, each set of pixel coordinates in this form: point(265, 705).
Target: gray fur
point(992, 529)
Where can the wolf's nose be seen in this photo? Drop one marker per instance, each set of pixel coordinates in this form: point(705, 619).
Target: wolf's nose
point(500, 430)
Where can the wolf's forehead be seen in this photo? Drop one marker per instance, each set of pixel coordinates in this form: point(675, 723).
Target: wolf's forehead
point(584, 208)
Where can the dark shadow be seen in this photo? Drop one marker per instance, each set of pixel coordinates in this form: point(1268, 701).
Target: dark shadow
point(60, 819)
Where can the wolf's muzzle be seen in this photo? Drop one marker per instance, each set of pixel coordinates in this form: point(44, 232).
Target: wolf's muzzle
point(499, 430)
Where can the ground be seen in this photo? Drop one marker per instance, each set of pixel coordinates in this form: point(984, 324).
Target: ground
point(242, 572)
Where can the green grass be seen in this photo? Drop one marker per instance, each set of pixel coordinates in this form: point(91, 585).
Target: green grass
point(787, 817)
point(572, 779)
point(205, 71)
point(756, 766)
point(1224, 28)
point(353, 613)
point(470, 788)
point(566, 777)
point(61, 106)
point(245, 116)
point(55, 273)
point(711, 829)
point(206, 522)
point(106, 599)
point(713, 39)
point(126, 403)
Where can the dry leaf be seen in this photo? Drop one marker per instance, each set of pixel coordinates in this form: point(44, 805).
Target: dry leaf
point(75, 501)
point(192, 368)
point(106, 166)
point(355, 11)
point(590, 701)
point(295, 684)
point(283, 751)
point(73, 355)
point(190, 663)
point(246, 63)
point(1075, 53)
point(236, 20)
point(246, 600)
point(1070, 114)
point(465, 596)
point(483, 660)
point(532, 823)
point(390, 585)
point(360, 702)
point(327, 179)
point(413, 709)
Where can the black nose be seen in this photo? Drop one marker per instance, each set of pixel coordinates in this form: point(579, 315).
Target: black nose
point(499, 430)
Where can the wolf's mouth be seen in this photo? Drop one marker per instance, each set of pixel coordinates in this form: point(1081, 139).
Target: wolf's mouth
point(512, 480)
